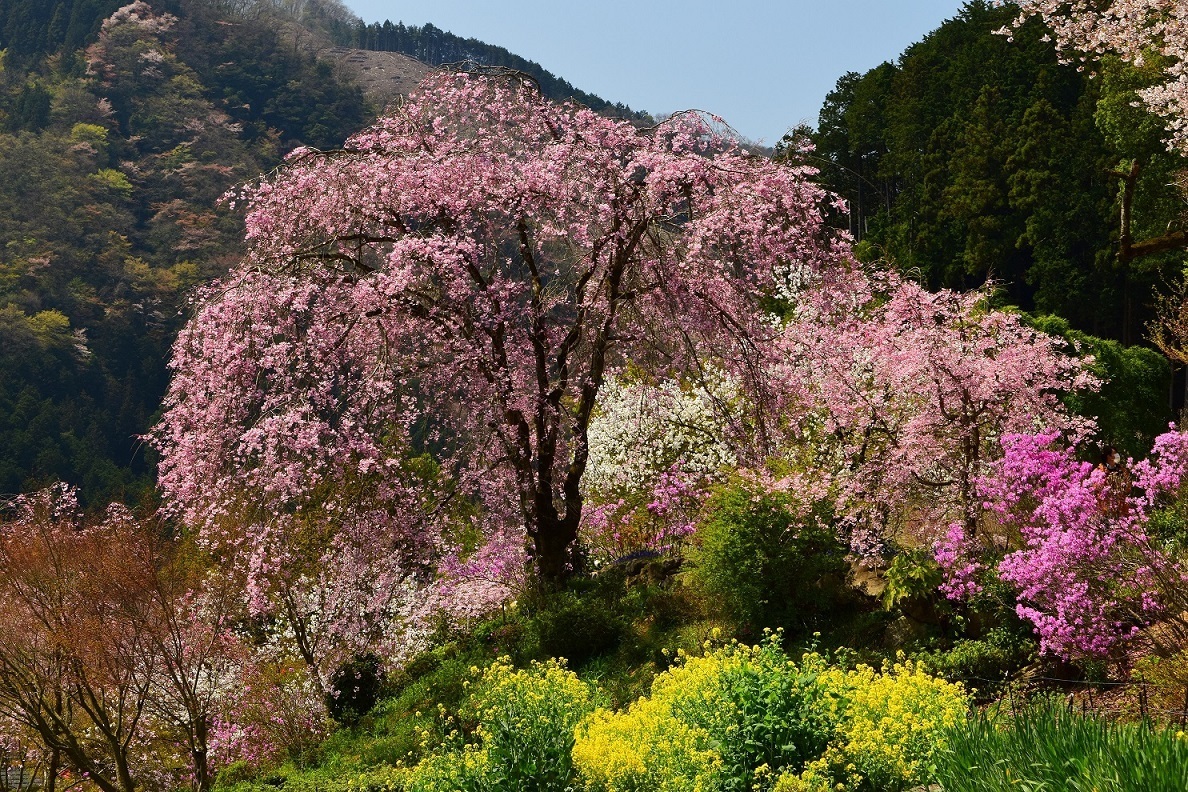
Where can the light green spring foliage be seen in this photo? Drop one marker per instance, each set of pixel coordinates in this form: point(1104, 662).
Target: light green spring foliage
point(113, 180)
point(767, 558)
point(748, 718)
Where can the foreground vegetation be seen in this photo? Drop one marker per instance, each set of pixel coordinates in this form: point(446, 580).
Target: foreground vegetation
point(736, 718)
point(524, 448)
point(1046, 746)
point(716, 716)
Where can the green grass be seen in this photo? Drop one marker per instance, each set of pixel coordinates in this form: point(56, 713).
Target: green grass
point(1048, 749)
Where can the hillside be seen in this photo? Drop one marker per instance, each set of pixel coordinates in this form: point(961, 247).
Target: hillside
point(439, 47)
point(975, 157)
point(116, 141)
point(115, 146)
point(515, 447)
point(383, 76)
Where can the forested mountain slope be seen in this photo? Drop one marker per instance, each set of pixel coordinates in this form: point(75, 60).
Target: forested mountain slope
point(975, 157)
point(439, 47)
point(32, 28)
point(117, 139)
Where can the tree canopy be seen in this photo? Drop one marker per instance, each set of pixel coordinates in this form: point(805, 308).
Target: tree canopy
point(479, 261)
point(975, 157)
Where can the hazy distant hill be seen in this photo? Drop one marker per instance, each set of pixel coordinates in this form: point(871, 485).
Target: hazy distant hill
point(383, 76)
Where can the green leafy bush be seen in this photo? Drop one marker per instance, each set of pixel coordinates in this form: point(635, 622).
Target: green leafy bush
point(527, 720)
point(984, 661)
point(576, 625)
point(768, 561)
point(416, 717)
point(354, 689)
point(764, 712)
point(524, 738)
point(912, 575)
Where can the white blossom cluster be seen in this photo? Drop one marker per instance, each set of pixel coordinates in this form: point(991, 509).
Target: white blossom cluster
point(641, 430)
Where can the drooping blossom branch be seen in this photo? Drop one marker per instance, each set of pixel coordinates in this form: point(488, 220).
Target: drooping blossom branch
point(474, 266)
point(902, 396)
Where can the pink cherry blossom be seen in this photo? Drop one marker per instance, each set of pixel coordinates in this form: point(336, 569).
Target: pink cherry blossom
point(469, 271)
point(901, 397)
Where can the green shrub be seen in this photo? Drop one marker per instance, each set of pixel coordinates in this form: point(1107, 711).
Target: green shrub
point(767, 561)
point(524, 738)
point(398, 733)
point(1131, 407)
point(1169, 526)
point(235, 773)
point(354, 689)
point(577, 625)
point(729, 720)
point(526, 723)
point(765, 713)
point(983, 662)
point(415, 716)
point(912, 575)
point(1048, 748)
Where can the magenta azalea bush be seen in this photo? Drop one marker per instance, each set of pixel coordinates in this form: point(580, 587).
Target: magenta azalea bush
point(1072, 538)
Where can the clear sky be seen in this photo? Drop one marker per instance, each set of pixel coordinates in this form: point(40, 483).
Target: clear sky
point(763, 66)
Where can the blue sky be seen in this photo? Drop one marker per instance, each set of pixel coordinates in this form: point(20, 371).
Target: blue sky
point(763, 66)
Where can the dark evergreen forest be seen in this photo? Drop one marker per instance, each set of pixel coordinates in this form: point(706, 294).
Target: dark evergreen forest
point(974, 157)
